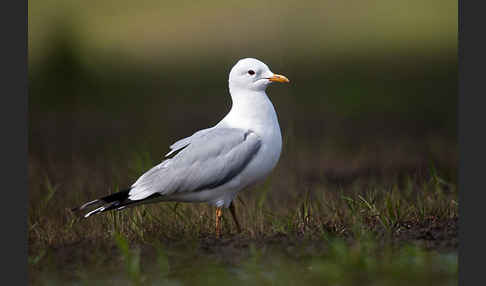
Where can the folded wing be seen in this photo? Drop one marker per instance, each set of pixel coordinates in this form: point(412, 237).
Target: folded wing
point(207, 159)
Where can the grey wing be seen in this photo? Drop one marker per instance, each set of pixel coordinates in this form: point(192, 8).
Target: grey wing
point(209, 159)
point(185, 141)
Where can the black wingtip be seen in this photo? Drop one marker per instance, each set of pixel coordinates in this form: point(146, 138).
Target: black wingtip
point(86, 205)
point(107, 202)
point(116, 197)
point(115, 201)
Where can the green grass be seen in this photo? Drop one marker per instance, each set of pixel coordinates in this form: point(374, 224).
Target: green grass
point(353, 211)
point(332, 262)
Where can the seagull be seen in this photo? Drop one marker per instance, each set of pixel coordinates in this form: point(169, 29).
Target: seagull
point(214, 164)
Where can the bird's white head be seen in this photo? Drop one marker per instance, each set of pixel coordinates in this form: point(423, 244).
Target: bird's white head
point(252, 74)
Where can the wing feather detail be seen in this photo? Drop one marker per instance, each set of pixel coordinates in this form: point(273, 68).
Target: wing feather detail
point(207, 159)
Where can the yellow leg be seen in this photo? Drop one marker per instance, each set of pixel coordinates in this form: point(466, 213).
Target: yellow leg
point(233, 214)
point(219, 214)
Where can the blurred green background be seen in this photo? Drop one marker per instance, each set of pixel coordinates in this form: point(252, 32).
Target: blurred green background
point(373, 83)
point(372, 100)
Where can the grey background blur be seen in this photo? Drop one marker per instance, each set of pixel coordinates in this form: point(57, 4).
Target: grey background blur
point(373, 83)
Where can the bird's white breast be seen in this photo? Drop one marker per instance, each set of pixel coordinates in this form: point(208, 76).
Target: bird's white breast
point(254, 111)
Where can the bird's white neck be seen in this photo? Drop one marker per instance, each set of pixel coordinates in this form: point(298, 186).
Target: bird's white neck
point(250, 110)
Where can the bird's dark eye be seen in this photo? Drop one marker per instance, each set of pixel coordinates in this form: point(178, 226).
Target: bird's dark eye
point(251, 72)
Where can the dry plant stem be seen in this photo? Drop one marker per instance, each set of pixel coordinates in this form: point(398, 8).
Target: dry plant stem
point(233, 214)
point(219, 214)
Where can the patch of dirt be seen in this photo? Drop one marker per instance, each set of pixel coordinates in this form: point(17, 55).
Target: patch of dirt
point(432, 234)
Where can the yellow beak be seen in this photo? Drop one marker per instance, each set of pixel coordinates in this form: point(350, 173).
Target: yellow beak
point(278, 78)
